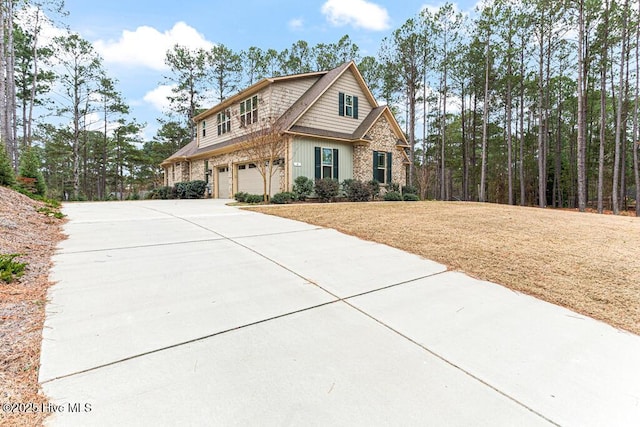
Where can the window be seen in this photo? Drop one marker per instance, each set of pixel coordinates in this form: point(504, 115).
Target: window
point(382, 167)
point(347, 105)
point(326, 163)
point(249, 111)
point(224, 122)
point(204, 128)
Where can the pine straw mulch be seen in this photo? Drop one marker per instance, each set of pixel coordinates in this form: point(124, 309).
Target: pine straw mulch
point(34, 235)
point(586, 262)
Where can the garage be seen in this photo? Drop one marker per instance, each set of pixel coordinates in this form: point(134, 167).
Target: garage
point(250, 180)
point(223, 183)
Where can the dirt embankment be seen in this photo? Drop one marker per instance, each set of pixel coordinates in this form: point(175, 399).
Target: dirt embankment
point(34, 235)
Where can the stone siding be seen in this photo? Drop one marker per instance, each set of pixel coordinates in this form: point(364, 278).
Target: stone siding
point(383, 139)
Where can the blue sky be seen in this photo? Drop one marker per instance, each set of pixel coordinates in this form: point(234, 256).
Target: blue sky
point(133, 35)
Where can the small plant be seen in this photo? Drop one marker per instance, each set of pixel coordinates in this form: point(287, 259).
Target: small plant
point(10, 269)
point(240, 196)
point(356, 191)
point(394, 186)
point(302, 187)
point(409, 189)
point(283, 198)
point(161, 193)
point(327, 189)
point(392, 196)
point(254, 199)
point(51, 212)
point(410, 197)
point(191, 189)
point(374, 188)
point(7, 175)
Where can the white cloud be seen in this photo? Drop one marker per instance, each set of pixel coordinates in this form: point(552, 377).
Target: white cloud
point(296, 24)
point(158, 97)
point(146, 46)
point(358, 13)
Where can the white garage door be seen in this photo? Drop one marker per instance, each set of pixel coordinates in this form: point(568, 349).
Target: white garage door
point(250, 180)
point(223, 183)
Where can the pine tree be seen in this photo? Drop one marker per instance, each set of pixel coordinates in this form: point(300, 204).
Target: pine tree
point(7, 176)
point(30, 168)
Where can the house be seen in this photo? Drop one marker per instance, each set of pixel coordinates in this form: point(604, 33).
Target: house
point(328, 122)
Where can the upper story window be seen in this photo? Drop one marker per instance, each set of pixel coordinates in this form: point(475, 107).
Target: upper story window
point(249, 111)
point(204, 128)
point(347, 105)
point(224, 122)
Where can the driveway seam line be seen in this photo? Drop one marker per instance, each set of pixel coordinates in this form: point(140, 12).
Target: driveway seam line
point(455, 366)
point(191, 341)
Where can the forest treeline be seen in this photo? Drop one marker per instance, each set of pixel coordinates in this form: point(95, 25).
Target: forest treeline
point(530, 102)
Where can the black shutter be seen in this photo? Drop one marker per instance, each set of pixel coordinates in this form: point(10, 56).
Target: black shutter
point(341, 104)
point(318, 163)
point(375, 165)
point(335, 163)
point(355, 107)
point(389, 163)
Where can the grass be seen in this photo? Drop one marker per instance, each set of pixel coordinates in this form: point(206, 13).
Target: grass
point(588, 263)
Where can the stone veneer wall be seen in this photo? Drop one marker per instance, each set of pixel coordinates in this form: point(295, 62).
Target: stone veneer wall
point(383, 139)
point(197, 170)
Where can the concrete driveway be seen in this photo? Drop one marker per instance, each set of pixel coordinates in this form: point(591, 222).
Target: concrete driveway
point(195, 313)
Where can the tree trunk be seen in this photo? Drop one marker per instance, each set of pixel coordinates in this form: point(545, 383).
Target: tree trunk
point(603, 107)
point(485, 116)
point(34, 84)
point(465, 149)
point(521, 171)
point(3, 89)
point(616, 159)
point(542, 161)
point(582, 177)
point(636, 165)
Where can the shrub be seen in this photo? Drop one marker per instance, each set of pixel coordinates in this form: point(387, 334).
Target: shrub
point(394, 186)
point(392, 196)
point(162, 193)
point(240, 196)
point(30, 168)
point(410, 197)
point(9, 269)
point(327, 189)
point(191, 189)
point(356, 191)
point(7, 175)
point(374, 188)
point(409, 189)
point(254, 198)
point(302, 187)
point(283, 198)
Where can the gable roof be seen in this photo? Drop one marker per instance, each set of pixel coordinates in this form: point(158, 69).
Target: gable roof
point(256, 87)
point(287, 122)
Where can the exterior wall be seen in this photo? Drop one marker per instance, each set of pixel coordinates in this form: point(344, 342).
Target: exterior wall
point(197, 171)
point(324, 113)
point(303, 155)
point(273, 101)
point(231, 161)
point(383, 139)
point(212, 136)
point(282, 95)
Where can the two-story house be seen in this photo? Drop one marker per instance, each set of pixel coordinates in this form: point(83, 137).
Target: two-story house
point(330, 122)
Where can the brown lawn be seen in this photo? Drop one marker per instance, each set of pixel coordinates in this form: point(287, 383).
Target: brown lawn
point(589, 263)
